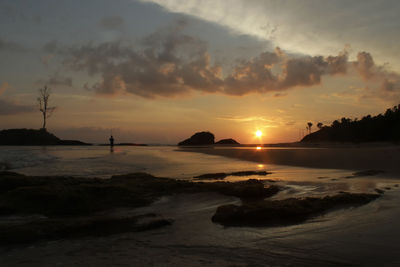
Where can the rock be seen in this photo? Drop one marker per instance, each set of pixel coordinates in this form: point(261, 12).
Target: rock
point(365, 173)
point(379, 191)
point(287, 211)
point(212, 176)
point(25, 137)
point(229, 141)
point(31, 137)
point(199, 139)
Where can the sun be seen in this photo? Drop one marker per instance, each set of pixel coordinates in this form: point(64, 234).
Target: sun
point(258, 133)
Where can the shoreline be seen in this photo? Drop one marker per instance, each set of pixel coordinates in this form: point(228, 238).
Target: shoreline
point(362, 158)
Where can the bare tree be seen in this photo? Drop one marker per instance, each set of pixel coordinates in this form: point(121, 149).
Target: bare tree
point(43, 101)
point(309, 125)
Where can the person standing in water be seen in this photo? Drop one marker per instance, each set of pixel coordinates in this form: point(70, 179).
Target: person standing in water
point(111, 143)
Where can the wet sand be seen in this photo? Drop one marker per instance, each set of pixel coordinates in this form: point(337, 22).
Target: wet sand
point(385, 158)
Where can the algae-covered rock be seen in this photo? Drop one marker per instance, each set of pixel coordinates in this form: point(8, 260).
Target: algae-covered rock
point(287, 211)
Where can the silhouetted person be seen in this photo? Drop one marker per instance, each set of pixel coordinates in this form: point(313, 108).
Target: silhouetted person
point(111, 141)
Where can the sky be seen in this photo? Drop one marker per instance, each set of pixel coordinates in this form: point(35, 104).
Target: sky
point(157, 71)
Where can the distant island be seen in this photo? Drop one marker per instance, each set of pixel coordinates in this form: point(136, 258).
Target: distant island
point(32, 137)
point(381, 128)
point(206, 138)
point(228, 141)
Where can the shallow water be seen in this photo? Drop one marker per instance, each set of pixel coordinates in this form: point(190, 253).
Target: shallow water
point(170, 161)
point(98, 161)
point(366, 236)
point(165, 161)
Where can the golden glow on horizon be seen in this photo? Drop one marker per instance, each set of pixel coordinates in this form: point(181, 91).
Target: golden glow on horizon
point(258, 133)
point(258, 148)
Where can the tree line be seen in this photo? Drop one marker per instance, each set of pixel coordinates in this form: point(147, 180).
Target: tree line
point(380, 128)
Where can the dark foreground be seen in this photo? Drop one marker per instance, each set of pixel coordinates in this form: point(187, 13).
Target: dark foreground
point(66, 207)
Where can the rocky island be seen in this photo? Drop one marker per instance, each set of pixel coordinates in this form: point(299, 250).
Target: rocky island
point(204, 139)
point(32, 137)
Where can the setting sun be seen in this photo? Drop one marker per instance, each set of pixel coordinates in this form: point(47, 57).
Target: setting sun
point(258, 133)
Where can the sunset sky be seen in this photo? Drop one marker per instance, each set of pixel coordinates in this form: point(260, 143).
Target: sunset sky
point(157, 71)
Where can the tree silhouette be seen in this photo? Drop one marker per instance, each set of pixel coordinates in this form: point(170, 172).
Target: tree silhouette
point(382, 127)
point(43, 101)
point(309, 125)
point(320, 125)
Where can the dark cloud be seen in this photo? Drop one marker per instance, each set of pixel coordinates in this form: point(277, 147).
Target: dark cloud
point(171, 63)
point(112, 23)
point(258, 75)
point(10, 108)
point(389, 80)
point(365, 65)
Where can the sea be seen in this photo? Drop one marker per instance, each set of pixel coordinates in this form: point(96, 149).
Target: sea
point(365, 236)
point(163, 161)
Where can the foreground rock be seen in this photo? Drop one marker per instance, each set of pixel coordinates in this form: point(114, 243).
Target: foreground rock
point(31, 137)
point(199, 139)
point(56, 228)
point(69, 196)
point(365, 173)
point(72, 205)
point(286, 212)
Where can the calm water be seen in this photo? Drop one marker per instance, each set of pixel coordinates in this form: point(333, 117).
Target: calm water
point(366, 236)
point(165, 161)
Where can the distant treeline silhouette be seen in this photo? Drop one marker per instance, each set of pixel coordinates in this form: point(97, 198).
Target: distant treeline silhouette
point(381, 128)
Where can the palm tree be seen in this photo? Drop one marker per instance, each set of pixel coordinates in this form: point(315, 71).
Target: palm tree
point(309, 125)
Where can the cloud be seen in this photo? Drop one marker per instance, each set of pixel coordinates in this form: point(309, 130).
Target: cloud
point(365, 65)
point(170, 63)
point(112, 23)
point(306, 27)
point(258, 75)
point(389, 88)
point(246, 119)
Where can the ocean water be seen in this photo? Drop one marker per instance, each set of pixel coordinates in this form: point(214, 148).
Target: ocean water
point(164, 161)
point(366, 236)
